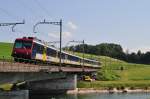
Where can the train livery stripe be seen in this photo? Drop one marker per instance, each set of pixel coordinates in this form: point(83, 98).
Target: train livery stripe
point(44, 56)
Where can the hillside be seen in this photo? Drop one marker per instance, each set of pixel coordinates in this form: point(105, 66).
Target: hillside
point(113, 69)
point(119, 74)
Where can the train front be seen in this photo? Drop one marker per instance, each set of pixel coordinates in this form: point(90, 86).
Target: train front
point(22, 48)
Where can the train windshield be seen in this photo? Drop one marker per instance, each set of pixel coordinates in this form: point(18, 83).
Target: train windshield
point(23, 44)
point(18, 44)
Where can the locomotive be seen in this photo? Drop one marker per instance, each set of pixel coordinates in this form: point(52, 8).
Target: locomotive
point(32, 48)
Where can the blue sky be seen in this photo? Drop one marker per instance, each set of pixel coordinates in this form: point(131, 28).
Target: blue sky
point(125, 22)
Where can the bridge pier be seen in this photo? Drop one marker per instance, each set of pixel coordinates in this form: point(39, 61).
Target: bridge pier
point(42, 82)
point(54, 86)
point(23, 94)
point(13, 77)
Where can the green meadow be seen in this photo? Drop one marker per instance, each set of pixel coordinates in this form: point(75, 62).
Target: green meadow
point(5, 50)
point(117, 73)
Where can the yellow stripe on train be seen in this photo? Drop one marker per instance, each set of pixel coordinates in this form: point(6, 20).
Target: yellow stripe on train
point(44, 57)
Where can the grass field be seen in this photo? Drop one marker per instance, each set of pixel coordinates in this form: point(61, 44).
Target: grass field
point(5, 49)
point(142, 84)
point(130, 71)
point(113, 73)
point(117, 73)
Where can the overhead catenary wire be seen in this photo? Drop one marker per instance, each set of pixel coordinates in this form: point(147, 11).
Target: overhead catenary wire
point(10, 15)
point(29, 9)
point(42, 7)
point(33, 11)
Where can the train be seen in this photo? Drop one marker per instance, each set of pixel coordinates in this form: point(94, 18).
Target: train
point(32, 48)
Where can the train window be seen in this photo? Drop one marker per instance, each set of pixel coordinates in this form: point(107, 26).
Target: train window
point(23, 44)
point(66, 56)
point(76, 59)
point(48, 52)
point(62, 55)
point(39, 48)
point(27, 44)
point(70, 57)
point(18, 44)
point(51, 52)
point(73, 58)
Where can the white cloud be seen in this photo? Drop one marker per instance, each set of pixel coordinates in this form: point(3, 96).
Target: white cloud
point(71, 25)
point(67, 34)
point(64, 35)
point(53, 35)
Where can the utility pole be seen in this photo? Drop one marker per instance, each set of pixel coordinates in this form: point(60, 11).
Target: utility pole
point(60, 46)
point(12, 24)
point(83, 55)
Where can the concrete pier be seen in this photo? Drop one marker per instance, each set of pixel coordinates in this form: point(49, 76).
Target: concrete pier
point(54, 85)
point(12, 77)
point(21, 94)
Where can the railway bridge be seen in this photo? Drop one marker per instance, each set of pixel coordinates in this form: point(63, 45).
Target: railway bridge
point(42, 78)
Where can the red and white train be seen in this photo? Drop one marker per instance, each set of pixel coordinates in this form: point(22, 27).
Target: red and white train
point(34, 49)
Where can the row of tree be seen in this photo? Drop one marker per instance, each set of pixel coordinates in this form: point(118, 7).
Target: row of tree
point(114, 51)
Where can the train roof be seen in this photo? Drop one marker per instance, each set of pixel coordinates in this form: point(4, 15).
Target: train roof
point(26, 38)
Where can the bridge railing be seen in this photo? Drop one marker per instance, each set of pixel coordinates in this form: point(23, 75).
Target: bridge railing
point(17, 64)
